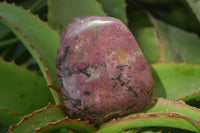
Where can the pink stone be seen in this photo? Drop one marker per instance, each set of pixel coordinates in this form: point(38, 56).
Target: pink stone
point(102, 71)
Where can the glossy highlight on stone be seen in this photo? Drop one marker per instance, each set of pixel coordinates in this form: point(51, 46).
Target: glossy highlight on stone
point(102, 71)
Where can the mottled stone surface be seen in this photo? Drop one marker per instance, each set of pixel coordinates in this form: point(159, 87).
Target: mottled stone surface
point(102, 71)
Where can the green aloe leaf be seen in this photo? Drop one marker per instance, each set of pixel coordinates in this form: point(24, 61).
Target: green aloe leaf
point(61, 12)
point(162, 105)
point(38, 119)
point(75, 125)
point(177, 13)
point(8, 118)
point(36, 35)
point(22, 91)
point(41, 41)
point(195, 4)
point(115, 8)
point(174, 81)
point(176, 44)
point(33, 6)
point(145, 34)
point(173, 113)
point(193, 99)
point(164, 119)
point(150, 45)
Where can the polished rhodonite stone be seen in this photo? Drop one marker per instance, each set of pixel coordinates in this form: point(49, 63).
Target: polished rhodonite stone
point(102, 71)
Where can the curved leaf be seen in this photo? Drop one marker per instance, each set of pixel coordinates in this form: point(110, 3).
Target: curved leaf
point(176, 13)
point(39, 118)
point(61, 12)
point(41, 41)
point(164, 119)
point(22, 91)
point(8, 118)
point(177, 44)
point(75, 125)
point(193, 99)
point(115, 8)
point(162, 105)
point(174, 81)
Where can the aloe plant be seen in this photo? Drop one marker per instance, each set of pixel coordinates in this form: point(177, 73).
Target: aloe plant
point(168, 35)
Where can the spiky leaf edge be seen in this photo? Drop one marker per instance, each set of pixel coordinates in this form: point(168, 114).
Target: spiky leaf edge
point(32, 50)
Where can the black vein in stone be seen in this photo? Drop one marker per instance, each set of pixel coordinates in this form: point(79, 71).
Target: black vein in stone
point(74, 102)
point(130, 89)
point(122, 83)
point(84, 71)
point(86, 93)
point(62, 59)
